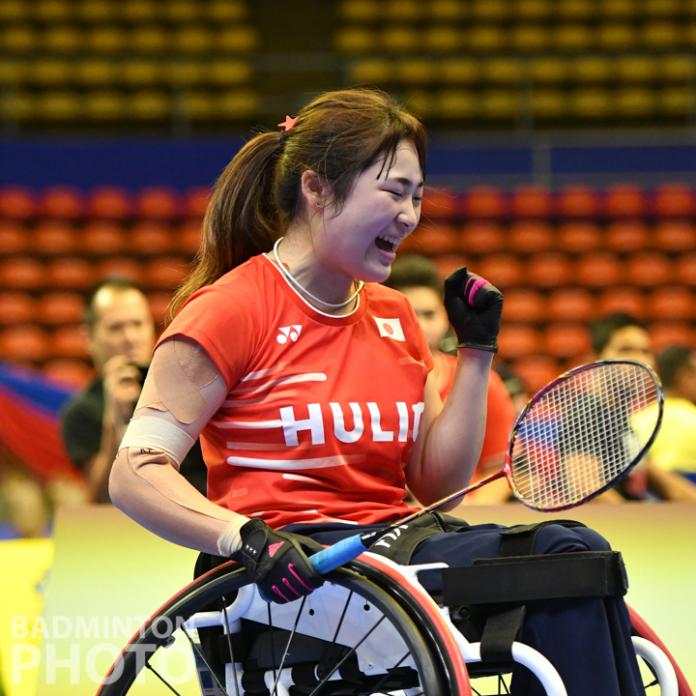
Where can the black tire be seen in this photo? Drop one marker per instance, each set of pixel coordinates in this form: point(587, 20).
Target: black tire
point(433, 664)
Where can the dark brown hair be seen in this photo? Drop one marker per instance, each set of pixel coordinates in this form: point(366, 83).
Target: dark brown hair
point(338, 135)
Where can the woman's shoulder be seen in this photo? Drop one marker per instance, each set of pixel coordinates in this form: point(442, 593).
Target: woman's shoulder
point(381, 295)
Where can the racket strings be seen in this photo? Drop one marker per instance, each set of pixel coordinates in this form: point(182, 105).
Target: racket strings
point(579, 435)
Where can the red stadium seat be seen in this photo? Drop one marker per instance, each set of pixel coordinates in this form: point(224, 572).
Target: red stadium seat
point(567, 342)
point(58, 308)
point(531, 202)
point(548, 270)
point(579, 237)
point(69, 342)
point(663, 335)
point(164, 273)
point(570, 304)
point(70, 273)
point(70, 372)
point(17, 203)
point(578, 202)
point(622, 299)
point(439, 204)
point(483, 202)
point(672, 303)
point(14, 239)
point(522, 305)
point(120, 267)
point(24, 344)
point(109, 203)
point(195, 203)
point(61, 202)
point(649, 269)
point(103, 238)
point(598, 270)
point(449, 263)
point(674, 200)
point(157, 203)
point(685, 269)
point(482, 237)
point(503, 270)
point(530, 237)
point(519, 341)
point(187, 238)
point(22, 273)
point(625, 200)
point(17, 308)
point(436, 239)
point(536, 371)
point(675, 237)
point(148, 238)
point(627, 236)
point(54, 238)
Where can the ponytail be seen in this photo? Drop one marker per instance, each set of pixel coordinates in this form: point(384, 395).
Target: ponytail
point(242, 219)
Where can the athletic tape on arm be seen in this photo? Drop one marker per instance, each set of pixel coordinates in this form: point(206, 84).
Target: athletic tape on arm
point(153, 433)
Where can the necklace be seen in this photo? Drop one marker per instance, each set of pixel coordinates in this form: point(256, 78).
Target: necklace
point(291, 279)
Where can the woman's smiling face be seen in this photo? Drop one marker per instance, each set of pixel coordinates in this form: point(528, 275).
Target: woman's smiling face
point(383, 207)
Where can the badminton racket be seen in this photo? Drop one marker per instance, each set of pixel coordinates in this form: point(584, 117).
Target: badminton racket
point(576, 437)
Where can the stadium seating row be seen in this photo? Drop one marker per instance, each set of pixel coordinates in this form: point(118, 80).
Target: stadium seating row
point(534, 72)
point(503, 10)
point(525, 39)
point(620, 200)
point(23, 39)
point(529, 306)
point(129, 11)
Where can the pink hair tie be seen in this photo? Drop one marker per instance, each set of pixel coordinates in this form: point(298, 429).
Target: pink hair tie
point(288, 123)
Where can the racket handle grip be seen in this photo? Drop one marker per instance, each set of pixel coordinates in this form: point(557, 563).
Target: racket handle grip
point(336, 555)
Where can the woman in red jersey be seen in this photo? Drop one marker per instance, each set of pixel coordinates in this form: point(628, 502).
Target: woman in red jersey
point(310, 384)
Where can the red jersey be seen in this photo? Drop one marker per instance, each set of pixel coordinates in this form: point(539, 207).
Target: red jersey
point(322, 412)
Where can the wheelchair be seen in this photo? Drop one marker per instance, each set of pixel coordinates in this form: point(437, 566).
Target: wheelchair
point(371, 629)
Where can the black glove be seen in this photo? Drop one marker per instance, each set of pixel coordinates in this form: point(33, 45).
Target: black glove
point(276, 562)
point(474, 307)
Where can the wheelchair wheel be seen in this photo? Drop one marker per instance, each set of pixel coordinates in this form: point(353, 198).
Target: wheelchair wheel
point(360, 634)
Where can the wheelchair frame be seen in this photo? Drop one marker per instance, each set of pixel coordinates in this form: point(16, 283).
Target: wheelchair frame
point(437, 652)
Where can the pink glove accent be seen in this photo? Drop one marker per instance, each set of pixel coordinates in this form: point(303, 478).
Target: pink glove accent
point(471, 288)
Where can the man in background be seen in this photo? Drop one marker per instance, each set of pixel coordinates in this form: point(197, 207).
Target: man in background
point(120, 334)
point(418, 279)
point(621, 336)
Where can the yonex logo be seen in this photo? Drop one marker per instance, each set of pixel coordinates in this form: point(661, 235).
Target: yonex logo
point(291, 332)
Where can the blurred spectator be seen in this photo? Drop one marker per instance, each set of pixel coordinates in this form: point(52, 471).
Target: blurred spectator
point(418, 278)
point(24, 505)
point(120, 336)
point(622, 336)
point(673, 454)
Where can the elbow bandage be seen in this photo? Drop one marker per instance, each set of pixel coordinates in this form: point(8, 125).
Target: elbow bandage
point(153, 433)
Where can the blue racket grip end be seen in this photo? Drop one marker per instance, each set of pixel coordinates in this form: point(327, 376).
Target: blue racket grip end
point(336, 555)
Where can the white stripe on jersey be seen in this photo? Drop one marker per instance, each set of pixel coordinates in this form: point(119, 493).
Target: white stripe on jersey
point(291, 379)
point(290, 464)
point(248, 425)
point(262, 373)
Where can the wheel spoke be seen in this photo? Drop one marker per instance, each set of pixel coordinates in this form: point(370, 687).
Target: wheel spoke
point(229, 646)
point(200, 654)
point(274, 690)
